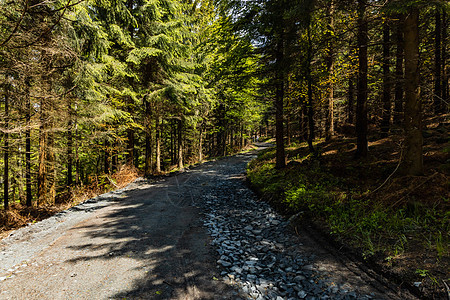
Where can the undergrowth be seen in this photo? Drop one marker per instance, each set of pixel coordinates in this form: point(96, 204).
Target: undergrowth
point(348, 211)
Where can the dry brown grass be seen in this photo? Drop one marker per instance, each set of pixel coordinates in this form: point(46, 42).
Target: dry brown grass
point(19, 215)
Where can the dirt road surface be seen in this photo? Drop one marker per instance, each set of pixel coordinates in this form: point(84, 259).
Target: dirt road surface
point(146, 242)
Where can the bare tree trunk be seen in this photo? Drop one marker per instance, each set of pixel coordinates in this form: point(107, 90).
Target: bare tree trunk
point(28, 145)
point(437, 100)
point(69, 143)
point(288, 130)
point(445, 83)
point(386, 113)
point(158, 145)
point(304, 121)
point(200, 145)
point(280, 162)
point(310, 113)
point(114, 158)
point(77, 158)
point(51, 160)
point(6, 155)
point(173, 133)
point(399, 80)
point(180, 145)
point(148, 140)
point(413, 157)
point(130, 147)
point(351, 101)
point(329, 120)
point(361, 101)
point(42, 171)
point(106, 153)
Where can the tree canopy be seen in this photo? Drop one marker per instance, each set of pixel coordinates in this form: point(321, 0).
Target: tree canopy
point(90, 86)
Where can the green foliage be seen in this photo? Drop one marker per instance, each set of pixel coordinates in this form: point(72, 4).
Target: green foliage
point(369, 226)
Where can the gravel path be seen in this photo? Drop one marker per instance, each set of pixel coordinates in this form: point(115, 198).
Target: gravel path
point(198, 235)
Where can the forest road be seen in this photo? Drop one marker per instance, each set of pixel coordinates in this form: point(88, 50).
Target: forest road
point(144, 242)
point(160, 240)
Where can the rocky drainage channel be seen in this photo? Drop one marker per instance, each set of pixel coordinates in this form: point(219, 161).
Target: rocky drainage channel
point(258, 251)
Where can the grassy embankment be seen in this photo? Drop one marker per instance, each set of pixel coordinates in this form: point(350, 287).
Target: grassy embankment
point(399, 223)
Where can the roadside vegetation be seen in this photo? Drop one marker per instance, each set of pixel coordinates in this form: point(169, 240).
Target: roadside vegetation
point(397, 224)
point(93, 89)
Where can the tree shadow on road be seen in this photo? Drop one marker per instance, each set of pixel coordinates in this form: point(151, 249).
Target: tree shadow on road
point(157, 230)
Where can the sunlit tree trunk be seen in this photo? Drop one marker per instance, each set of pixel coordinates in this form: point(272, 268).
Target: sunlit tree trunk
point(51, 161)
point(180, 144)
point(361, 101)
point(310, 112)
point(6, 154)
point(130, 147)
point(158, 145)
point(77, 157)
point(200, 145)
point(329, 121)
point(69, 143)
point(28, 145)
point(148, 140)
point(42, 171)
point(413, 157)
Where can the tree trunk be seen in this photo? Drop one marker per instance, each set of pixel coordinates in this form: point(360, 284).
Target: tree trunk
point(42, 171)
point(243, 143)
point(77, 157)
point(69, 143)
point(130, 147)
point(445, 84)
point(200, 145)
point(361, 101)
point(413, 157)
point(386, 112)
point(280, 162)
point(173, 133)
point(114, 158)
point(158, 145)
point(148, 140)
point(310, 113)
point(399, 80)
point(180, 145)
point(288, 130)
point(304, 121)
point(46, 172)
point(106, 153)
point(329, 120)
point(51, 160)
point(28, 145)
point(437, 99)
point(351, 100)
point(6, 155)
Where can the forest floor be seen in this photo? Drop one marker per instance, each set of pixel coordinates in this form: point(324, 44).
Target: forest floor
point(397, 225)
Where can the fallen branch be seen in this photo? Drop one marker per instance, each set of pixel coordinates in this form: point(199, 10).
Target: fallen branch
point(447, 288)
point(418, 186)
point(112, 182)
